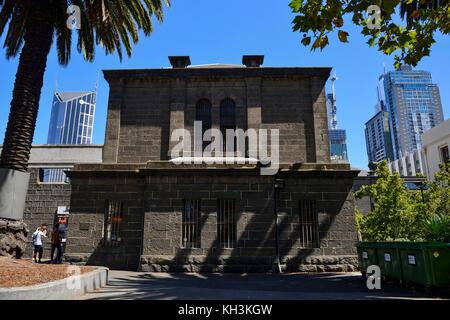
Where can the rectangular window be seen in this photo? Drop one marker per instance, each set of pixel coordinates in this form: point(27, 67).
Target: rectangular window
point(309, 226)
point(226, 223)
point(444, 154)
point(190, 224)
point(53, 175)
point(113, 219)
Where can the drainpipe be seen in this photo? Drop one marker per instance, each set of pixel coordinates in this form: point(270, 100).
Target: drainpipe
point(278, 185)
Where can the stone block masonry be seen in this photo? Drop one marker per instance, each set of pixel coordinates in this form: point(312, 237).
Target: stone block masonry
point(154, 203)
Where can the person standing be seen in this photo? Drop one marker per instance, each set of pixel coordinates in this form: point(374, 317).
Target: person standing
point(56, 244)
point(32, 245)
point(38, 235)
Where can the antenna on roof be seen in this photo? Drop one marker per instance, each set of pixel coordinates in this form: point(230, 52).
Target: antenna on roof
point(333, 107)
point(56, 81)
point(96, 86)
point(96, 82)
point(384, 68)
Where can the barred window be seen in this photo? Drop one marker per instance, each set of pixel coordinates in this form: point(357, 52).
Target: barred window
point(226, 223)
point(309, 226)
point(113, 219)
point(190, 224)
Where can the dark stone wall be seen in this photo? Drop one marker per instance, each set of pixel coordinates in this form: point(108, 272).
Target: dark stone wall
point(153, 206)
point(364, 205)
point(87, 222)
point(144, 110)
point(41, 205)
point(255, 248)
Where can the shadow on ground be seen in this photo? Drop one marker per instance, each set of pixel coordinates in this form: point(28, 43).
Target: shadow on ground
point(291, 286)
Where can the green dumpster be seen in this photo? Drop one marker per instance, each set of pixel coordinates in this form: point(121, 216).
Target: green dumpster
point(426, 263)
point(367, 254)
point(389, 260)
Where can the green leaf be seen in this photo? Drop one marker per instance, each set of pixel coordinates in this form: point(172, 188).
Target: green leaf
point(323, 42)
point(389, 6)
point(343, 36)
point(306, 41)
point(338, 22)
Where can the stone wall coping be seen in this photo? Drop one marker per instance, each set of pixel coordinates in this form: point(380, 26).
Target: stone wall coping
point(323, 72)
point(166, 167)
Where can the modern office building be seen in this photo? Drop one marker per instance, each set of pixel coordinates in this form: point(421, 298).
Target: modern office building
point(435, 147)
point(72, 118)
point(378, 137)
point(338, 144)
point(414, 106)
point(71, 122)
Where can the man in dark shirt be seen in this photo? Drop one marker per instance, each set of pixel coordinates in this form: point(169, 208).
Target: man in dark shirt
point(56, 244)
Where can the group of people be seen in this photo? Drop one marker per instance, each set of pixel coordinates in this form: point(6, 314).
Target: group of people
point(38, 241)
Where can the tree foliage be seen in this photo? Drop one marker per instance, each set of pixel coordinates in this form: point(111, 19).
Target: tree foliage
point(402, 214)
point(30, 27)
point(410, 40)
point(108, 23)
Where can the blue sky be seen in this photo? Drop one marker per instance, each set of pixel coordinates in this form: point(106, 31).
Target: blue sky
point(217, 31)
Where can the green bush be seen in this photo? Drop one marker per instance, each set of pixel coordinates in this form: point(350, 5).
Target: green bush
point(437, 228)
point(400, 214)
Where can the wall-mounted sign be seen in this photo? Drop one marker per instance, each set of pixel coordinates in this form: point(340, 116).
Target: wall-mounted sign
point(62, 218)
point(411, 259)
point(387, 257)
point(365, 255)
point(63, 210)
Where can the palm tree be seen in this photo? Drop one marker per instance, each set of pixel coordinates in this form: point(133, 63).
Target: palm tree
point(31, 26)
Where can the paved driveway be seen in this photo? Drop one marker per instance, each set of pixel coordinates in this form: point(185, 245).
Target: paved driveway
point(292, 286)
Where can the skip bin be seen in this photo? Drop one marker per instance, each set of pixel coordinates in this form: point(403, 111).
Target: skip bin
point(389, 260)
point(438, 255)
point(426, 263)
point(367, 254)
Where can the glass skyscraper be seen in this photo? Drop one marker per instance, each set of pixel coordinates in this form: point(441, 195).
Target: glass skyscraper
point(378, 137)
point(338, 137)
point(414, 106)
point(72, 118)
point(71, 122)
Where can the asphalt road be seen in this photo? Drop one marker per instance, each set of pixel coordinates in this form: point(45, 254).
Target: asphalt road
point(292, 286)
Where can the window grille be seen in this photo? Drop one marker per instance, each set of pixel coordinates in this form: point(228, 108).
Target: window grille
point(113, 219)
point(309, 226)
point(190, 224)
point(226, 223)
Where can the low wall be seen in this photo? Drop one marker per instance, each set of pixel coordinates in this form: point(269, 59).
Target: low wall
point(63, 289)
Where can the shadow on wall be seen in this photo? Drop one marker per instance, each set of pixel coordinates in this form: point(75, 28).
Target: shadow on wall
point(258, 254)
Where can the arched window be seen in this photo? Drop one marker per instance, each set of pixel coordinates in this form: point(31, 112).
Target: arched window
point(203, 114)
point(227, 119)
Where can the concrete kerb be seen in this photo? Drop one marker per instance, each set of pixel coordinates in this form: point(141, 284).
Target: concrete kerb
point(64, 289)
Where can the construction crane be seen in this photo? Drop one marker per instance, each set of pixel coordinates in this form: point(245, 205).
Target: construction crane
point(333, 108)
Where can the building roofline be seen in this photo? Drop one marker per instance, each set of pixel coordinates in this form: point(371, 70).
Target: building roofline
point(323, 72)
point(374, 116)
